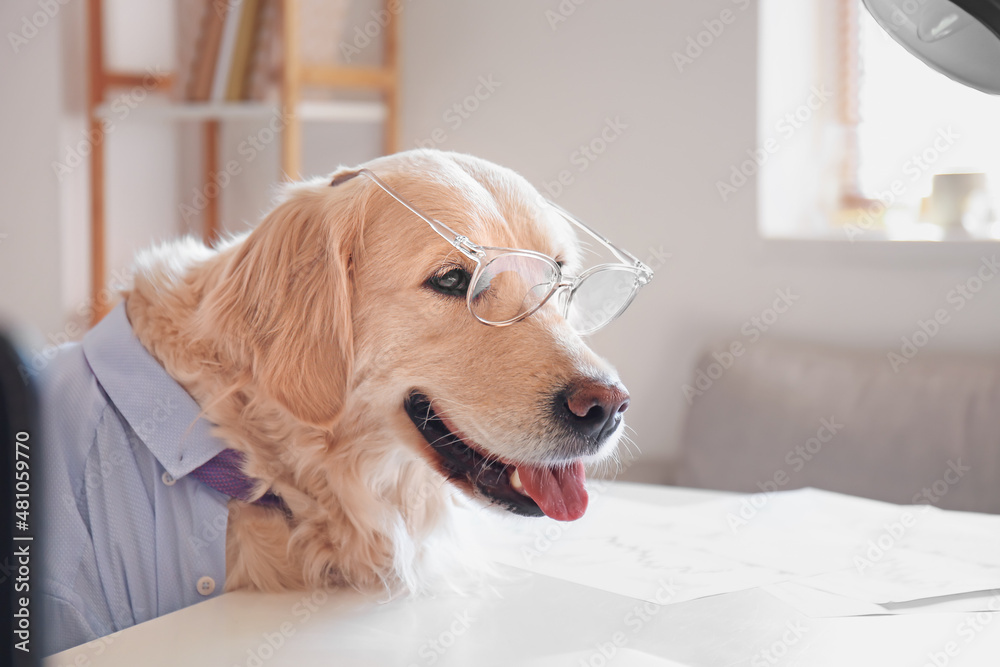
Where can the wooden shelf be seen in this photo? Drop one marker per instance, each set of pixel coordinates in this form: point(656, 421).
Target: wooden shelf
point(320, 111)
point(296, 76)
point(348, 77)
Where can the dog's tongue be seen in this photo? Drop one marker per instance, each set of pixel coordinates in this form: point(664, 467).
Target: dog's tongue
point(558, 491)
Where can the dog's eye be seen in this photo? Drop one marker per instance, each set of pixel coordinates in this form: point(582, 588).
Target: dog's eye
point(453, 283)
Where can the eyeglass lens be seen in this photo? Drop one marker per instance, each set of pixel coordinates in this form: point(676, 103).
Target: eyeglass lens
point(600, 298)
point(511, 285)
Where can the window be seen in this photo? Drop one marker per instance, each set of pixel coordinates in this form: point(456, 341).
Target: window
point(900, 152)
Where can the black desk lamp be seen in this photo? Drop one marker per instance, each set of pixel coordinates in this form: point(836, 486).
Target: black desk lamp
point(959, 38)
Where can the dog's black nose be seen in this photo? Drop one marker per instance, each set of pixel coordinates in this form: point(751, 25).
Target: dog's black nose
point(592, 408)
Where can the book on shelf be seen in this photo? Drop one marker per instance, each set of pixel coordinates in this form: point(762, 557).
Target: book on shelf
point(236, 83)
point(206, 50)
point(189, 16)
point(224, 61)
point(231, 50)
point(264, 70)
point(229, 57)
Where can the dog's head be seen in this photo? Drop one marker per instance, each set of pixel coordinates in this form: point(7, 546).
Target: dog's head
point(357, 313)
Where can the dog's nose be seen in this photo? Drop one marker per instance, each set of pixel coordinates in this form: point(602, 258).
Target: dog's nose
point(594, 409)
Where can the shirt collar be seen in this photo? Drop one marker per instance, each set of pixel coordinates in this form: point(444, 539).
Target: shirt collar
point(159, 410)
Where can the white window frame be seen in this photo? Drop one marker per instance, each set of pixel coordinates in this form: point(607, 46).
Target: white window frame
point(806, 160)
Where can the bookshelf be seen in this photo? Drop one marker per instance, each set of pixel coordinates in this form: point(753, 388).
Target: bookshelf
point(207, 111)
point(294, 78)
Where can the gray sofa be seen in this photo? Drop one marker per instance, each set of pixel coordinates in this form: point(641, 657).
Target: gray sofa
point(787, 415)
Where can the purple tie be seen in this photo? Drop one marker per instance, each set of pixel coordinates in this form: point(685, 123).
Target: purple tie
point(224, 473)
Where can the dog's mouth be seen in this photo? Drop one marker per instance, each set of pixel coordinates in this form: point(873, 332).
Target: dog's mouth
point(526, 489)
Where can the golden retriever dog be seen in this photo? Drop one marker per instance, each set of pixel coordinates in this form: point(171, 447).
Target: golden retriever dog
point(333, 345)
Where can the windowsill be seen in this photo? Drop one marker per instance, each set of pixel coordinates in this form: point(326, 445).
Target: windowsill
point(801, 186)
point(878, 236)
point(876, 249)
point(898, 237)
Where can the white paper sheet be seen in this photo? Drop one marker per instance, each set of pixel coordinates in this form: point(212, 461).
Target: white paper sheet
point(823, 604)
point(646, 552)
point(817, 539)
point(915, 553)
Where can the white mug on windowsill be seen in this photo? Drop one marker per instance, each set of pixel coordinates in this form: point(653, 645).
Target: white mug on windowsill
point(958, 201)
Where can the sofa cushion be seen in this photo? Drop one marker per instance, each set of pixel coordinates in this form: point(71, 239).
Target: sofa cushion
point(788, 415)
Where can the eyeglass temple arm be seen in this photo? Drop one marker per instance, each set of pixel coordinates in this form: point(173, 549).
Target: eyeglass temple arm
point(450, 235)
point(622, 254)
point(473, 251)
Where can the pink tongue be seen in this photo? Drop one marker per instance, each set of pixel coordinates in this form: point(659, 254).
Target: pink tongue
point(558, 490)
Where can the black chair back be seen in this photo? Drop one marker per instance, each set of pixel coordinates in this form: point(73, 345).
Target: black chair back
point(20, 513)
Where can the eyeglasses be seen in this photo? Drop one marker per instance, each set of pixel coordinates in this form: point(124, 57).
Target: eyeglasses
point(510, 284)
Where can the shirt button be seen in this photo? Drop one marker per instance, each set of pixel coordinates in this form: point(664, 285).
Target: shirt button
point(206, 585)
point(168, 480)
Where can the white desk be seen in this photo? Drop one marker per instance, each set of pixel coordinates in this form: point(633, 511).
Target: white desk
point(537, 621)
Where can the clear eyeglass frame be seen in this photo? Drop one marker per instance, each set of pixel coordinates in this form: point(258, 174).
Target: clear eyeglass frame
point(632, 271)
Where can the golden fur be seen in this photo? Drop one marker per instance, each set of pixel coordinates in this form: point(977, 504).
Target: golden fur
point(301, 338)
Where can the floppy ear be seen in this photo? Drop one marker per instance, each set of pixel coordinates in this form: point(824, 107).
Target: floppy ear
point(284, 301)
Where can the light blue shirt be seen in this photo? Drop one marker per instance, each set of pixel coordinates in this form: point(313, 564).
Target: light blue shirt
point(129, 536)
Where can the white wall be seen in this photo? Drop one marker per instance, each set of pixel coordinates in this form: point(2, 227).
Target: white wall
point(153, 166)
point(655, 185)
point(653, 188)
point(30, 268)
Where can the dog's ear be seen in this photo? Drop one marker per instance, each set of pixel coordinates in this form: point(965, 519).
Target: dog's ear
point(284, 302)
point(343, 175)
